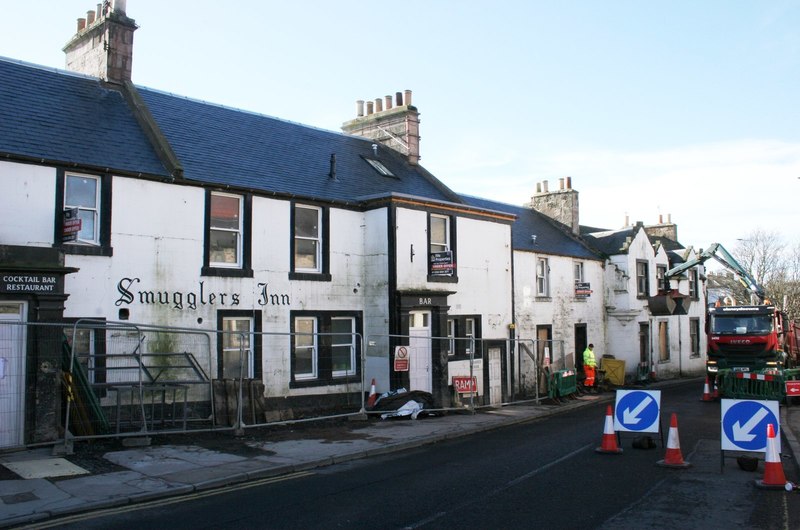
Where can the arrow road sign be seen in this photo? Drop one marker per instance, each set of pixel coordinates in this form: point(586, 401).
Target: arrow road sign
point(744, 424)
point(637, 410)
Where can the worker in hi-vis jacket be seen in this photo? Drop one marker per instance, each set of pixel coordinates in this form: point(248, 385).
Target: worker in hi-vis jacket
point(589, 366)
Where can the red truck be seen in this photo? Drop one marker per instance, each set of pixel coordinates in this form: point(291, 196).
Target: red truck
point(740, 337)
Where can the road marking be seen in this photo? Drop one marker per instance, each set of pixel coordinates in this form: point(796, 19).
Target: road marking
point(163, 502)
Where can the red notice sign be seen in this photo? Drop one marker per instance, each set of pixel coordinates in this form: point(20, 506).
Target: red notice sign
point(792, 388)
point(401, 359)
point(464, 384)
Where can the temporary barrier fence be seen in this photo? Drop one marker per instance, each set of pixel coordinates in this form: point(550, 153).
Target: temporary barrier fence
point(123, 379)
point(765, 384)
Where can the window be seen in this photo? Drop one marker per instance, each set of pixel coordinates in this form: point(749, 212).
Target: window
point(542, 277)
point(663, 341)
point(89, 347)
point(578, 268)
point(469, 334)
point(451, 336)
point(661, 277)
point(325, 348)
point(228, 229)
point(694, 336)
point(305, 348)
point(225, 231)
point(463, 335)
point(343, 346)
point(237, 349)
point(309, 243)
point(694, 285)
point(379, 167)
point(642, 279)
point(83, 192)
point(440, 248)
point(90, 197)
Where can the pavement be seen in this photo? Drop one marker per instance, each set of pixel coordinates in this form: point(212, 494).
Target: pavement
point(36, 485)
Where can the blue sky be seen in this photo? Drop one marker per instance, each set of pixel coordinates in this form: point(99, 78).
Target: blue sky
point(674, 107)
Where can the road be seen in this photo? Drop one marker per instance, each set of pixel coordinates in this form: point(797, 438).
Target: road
point(544, 474)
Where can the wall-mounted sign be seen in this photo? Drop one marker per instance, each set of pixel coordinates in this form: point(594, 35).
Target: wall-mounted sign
point(442, 263)
point(583, 289)
point(30, 283)
point(72, 225)
point(401, 359)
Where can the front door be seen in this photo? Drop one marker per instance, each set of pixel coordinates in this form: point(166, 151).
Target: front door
point(419, 345)
point(12, 374)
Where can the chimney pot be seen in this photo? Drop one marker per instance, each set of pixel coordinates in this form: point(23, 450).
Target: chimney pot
point(538, 187)
point(561, 184)
point(544, 186)
point(388, 102)
point(119, 6)
point(569, 183)
point(660, 219)
point(407, 98)
point(89, 18)
point(378, 105)
point(360, 108)
point(370, 106)
point(669, 218)
point(81, 24)
point(398, 99)
point(98, 12)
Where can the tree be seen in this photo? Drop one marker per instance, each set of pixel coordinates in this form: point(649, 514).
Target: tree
point(773, 264)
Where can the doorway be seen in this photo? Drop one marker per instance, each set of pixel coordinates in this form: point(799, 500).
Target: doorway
point(12, 373)
point(419, 345)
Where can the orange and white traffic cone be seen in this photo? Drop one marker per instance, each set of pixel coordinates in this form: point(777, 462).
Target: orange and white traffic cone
point(774, 479)
point(609, 444)
point(706, 392)
point(373, 396)
point(673, 457)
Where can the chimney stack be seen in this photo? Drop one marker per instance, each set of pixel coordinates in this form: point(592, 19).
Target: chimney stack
point(103, 44)
point(395, 127)
point(668, 230)
point(560, 205)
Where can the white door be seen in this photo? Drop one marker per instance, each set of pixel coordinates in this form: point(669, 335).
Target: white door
point(495, 376)
point(12, 374)
point(419, 346)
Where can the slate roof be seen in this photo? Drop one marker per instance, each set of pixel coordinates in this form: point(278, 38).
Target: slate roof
point(61, 117)
point(550, 237)
point(71, 119)
point(611, 242)
point(222, 145)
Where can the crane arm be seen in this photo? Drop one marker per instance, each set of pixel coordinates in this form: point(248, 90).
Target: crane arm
point(718, 252)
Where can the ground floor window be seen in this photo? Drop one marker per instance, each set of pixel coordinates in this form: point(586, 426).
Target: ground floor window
point(694, 336)
point(239, 344)
point(325, 347)
point(463, 334)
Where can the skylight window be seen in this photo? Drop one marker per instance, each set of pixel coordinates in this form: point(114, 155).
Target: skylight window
point(379, 167)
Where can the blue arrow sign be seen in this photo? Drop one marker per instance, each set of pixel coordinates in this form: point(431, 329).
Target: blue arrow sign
point(637, 410)
point(744, 424)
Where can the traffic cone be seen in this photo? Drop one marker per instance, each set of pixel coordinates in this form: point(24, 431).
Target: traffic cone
point(774, 479)
point(609, 444)
point(373, 396)
point(673, 457)
point(706, 393)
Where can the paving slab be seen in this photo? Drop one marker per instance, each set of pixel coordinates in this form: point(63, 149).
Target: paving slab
point(44, 468)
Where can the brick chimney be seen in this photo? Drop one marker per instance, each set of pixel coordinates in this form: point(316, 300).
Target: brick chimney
point(103, 44)
point(662, 229)
point(560, 205)
point(396, 127)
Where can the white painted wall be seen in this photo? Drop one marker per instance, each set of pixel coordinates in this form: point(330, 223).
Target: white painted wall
point(27, 202)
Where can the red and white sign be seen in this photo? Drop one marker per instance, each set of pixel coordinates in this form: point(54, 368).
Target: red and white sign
point(465, 384)
point(401, 359)
point(792, 388)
